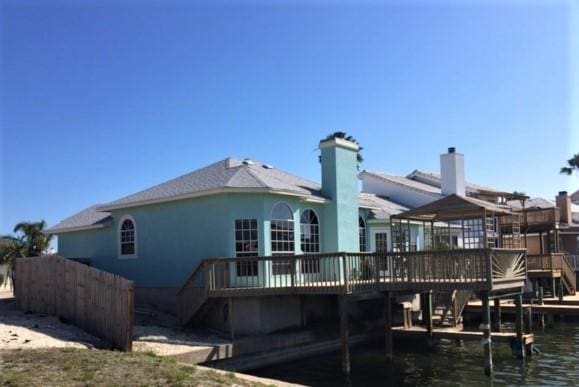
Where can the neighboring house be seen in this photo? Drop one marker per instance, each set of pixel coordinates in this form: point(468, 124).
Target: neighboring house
point(157, 237)
point(575, 198)
point(420, 187)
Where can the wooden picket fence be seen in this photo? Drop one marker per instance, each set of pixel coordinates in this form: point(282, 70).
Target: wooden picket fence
point(101, 303)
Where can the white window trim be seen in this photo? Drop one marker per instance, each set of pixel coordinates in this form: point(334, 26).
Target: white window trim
point(126, 256)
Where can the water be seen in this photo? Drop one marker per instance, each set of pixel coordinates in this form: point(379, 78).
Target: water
point(446, 365)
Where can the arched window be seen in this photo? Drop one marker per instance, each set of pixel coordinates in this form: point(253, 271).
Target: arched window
point(310, 232)
point(282, 236)
point(127, 237)
point(362, 226)
point(310, 241)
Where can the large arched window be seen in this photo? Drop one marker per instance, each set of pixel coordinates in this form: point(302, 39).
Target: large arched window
point(282, 236)
point(127, 237)
point(310, 232)
point(362, 226)
point(310, 240)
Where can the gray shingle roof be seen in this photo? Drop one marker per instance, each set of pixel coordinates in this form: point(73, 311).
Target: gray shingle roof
point(434, 180)
point(380, 208)
point(531, 203)
point(86, 218)
point(225, 174)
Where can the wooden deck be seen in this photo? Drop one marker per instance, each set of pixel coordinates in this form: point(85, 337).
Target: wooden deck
point(553, 266)
point(457, 333)
point(552, 306)
point(487, 270)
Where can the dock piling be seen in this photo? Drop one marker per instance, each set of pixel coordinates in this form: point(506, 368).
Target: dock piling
point(427, 313)
point(388, 326)
point(519, 348)
point(486, 329)
point(497, 315)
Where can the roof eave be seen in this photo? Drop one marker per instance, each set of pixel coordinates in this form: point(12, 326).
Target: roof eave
point(73, 229)
point(308, 198)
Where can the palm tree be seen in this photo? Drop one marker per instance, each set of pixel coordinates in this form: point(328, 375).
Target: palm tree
point(11, 248)
point(572, 165)
point(36, 241)
point(29, 241)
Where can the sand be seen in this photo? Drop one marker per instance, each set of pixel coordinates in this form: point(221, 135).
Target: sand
point(20, 330)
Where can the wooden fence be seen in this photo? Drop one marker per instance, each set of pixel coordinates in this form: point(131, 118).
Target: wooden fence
point(99, 302)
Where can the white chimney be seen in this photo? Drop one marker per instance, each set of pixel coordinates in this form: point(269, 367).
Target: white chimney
point(452, 173)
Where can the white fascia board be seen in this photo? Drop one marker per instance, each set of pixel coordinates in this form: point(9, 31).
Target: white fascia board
point(79, 228)
point(208, 193)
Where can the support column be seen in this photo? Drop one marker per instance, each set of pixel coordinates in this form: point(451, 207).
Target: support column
point(497, 315)
point(231, 322)
point(388, 326)
point(541, 302)
point(519, 348)
point(427, 313)
point(486, 329)
point(344, 334)
point(561, 289)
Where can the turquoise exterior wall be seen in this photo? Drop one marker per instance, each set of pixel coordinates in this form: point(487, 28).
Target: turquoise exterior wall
point(174, 237)
point(340, 185)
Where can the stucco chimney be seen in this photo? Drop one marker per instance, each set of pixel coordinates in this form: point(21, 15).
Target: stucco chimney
point(452, 173)
point(339, 158)
point(563, 201)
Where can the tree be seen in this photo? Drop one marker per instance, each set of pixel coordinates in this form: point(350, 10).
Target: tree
point(572, 165)
point(29, 241)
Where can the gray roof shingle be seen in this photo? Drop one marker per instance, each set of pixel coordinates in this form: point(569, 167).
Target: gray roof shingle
point(86, 218)
point(224, 174)
point(228, 173)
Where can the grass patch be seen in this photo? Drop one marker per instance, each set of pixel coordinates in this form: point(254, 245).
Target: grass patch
point(82, 367)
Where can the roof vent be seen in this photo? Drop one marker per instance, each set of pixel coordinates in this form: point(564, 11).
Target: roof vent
point(247, 162)
point(452, 150)
point(267, 166)
point(562, 193)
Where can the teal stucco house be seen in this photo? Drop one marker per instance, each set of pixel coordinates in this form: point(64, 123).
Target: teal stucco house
point(233, 208)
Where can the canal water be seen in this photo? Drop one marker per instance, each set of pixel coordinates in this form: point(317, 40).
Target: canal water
point(446, 364)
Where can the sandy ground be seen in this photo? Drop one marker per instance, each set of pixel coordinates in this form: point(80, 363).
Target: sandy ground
point(160, 333)
point(154, 331)
point(28, 330)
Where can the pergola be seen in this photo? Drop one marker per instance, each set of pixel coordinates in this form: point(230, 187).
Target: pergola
point(481, 224)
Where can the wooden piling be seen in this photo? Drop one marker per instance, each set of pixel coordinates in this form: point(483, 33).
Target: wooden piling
point(560, 289)
point(541, 302)
point(486, 329)
point(497, 315)
point(344, 334)
point(388, 326)
point(231, 322)
point(427, 312)
point(520, 348)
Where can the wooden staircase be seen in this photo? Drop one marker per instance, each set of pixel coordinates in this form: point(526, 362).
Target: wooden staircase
point(193, 295)
point(568, 276)
point(448, 307)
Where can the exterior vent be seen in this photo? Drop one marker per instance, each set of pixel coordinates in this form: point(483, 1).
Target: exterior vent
point(247, 162)
point(267, 166)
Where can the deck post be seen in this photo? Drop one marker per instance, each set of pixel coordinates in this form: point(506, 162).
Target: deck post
point(486, 329)
point(519, 348)
point(497, 315)
point(231, 323)
point(529, 319)
point(344, 333)
point(561, 289)
point(388, 326)
point(541, 302)
point(553, 284)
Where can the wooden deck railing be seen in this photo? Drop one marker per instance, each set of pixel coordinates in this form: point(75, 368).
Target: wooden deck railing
point(554, 263)
point(574, 261)
point(345, 273)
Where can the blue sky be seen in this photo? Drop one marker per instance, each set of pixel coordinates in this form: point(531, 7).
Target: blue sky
point(103, 99)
